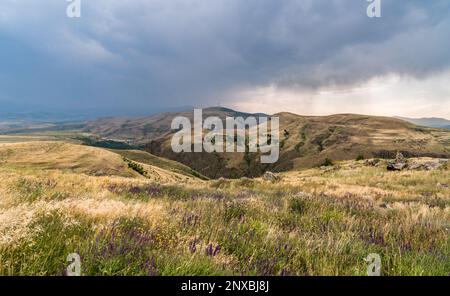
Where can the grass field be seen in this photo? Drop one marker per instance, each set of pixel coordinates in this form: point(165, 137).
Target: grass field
point(322, 221)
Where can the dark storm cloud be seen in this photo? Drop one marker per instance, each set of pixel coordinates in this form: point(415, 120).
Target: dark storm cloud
point(132, 55)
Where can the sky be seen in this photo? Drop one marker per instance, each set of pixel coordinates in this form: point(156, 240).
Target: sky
point(312, 57)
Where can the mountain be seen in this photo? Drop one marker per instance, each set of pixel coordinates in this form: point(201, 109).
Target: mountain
point(145, 129)
point(430, 122)
point(306, 141)
point(19, 118)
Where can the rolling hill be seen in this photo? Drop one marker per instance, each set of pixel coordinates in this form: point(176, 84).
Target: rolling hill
point(306, 141)
point(430, 122)
point(92, 161)
point(320, 221)
point(128, 212)
point(137, 131)
point(144, 157)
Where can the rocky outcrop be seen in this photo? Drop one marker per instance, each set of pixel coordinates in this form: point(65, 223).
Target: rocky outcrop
point(269, 176)
point(401, 163)
point(398, 164)
point(431, 165)
point(443, 161)
point(415, 166)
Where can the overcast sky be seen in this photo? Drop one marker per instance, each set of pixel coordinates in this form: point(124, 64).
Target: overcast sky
point(303, 56)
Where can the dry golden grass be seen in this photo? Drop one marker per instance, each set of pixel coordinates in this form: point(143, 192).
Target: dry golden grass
point(79, 159)
point(322, 221)
point(350, 178)
point(63, 156)
point(306, 141)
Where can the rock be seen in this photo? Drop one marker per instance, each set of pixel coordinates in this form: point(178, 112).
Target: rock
point(400, 158)
point(431, 165)
point(269, 176)
point(415, 166)
point(398, 164)
point(392, 166)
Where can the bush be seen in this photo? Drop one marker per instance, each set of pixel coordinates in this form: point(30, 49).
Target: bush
point(234, 210)
point(297, 206)
point(135, 167)
point(360, 157)
point(298, 146)
point(327, 162)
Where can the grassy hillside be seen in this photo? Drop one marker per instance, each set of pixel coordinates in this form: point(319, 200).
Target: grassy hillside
point(139, 131)
point(306, 142)
point(321, 221)
point(129, 212)
point(37, 156)
point(430, 122)
point(347, 136)
point(63, 156)
point(167, 164)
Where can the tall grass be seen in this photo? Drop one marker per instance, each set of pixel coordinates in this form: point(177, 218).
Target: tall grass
point(314, 222)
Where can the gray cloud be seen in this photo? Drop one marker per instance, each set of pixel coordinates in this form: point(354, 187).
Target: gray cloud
point(135, 55)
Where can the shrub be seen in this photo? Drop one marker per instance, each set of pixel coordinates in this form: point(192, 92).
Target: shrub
point(234, 210)
point(298, 146)
point(327, 162)
point(360, 157)
point(135, 167)
point(297, 206)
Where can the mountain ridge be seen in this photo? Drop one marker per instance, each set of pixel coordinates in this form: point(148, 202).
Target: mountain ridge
point(435, 122)
point(305, 141)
